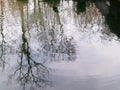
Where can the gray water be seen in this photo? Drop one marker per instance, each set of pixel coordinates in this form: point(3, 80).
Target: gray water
point(50, 46)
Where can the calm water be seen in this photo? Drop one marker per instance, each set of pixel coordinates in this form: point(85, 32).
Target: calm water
point(59, 45)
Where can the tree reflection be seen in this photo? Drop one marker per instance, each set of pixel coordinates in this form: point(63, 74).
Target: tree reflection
point(40, 25)
point(111, 10)
point(29, 71)
point(50, 33)
point(57, 47)
point(2, 45)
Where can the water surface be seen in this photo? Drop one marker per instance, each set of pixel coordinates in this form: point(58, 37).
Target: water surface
point(59, 45)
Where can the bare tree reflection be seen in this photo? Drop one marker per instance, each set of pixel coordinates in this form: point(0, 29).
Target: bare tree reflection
point(43, 38)
point(30, 72)
point(62, 50)
point(58, 47)
point(40, 25)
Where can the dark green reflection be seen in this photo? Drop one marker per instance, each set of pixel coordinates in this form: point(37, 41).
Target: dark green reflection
point(113, 17)
point(80, 5)
point(54, 4)
point(23, 1)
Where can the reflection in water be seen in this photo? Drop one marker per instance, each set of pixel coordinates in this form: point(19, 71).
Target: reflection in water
point(80, 6)
point(2, 43)
point(28, 70)
point(23, 1)
point(113, 17)
point(42, 42)
point(53, 4)
point(111, 10)
point(39, 34)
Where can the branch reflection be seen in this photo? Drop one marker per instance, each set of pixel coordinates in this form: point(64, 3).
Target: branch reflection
point(29, 72)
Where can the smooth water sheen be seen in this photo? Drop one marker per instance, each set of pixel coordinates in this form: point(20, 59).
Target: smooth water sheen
point(48, 45)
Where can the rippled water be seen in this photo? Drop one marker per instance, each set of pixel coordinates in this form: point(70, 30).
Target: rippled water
point(58, 45)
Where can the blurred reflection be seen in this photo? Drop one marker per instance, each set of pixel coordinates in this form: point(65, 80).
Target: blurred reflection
point(103, 6)
point(54, 4)
point(80, 5)
point(42, 41)
point(2, 42)
point(29, 72)
point(113, 17)
point(47, 34)
point(52, 34)
point(23, 1)
point(109, 8)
